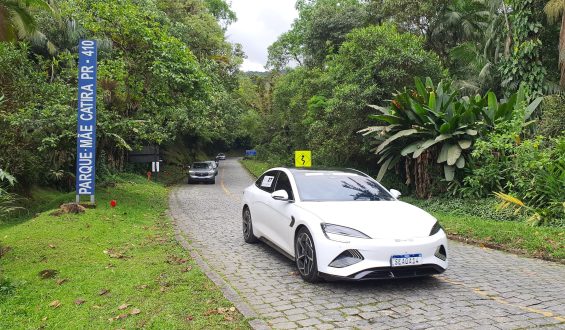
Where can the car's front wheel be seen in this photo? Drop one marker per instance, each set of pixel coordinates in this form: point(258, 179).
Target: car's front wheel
point(305, 255)
point(248, 236)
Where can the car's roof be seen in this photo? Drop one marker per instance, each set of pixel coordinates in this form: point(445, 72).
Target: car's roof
point(296, 170)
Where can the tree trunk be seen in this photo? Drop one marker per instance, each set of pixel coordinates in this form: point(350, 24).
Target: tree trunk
point(422, 174)
point(562, 51)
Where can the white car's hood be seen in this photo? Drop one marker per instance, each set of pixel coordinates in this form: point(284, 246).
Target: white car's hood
point(377, 219)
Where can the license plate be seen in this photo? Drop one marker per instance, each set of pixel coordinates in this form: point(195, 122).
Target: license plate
point(406, 260)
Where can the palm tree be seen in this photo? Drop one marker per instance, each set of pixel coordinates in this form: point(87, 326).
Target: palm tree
point(16, 21)
point(554, 10)
point(460, 21)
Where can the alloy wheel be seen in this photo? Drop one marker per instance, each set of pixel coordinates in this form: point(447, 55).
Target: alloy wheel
point(304, 254)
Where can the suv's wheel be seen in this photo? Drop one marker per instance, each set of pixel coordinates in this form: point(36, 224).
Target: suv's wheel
point(305, 255)
point(248, 236)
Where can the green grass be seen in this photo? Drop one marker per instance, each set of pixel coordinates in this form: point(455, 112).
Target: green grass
point(129, 251)
point(486, 227)
point(255, 167)
point(477, 222)
point(540, 242)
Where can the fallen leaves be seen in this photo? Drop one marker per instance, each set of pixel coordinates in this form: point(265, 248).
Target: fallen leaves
point(174, 260)
point(52, 246)
point(4, 250)
point(79, 302)
point(134, 311)
point(186, 269)
point(48, 273)
point(118, 317)
point(115, 254)
point(123, 306)
point(228, 313)
point(61, 281)
point(55, 304)
point(103, 292)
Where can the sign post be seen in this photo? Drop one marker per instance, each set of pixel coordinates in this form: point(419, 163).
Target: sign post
point(303, 158)
point(86, 120)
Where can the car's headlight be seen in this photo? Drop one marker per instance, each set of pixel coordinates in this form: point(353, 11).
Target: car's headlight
point(435, 229)
point(191, 172)
point(336, 232)
point(211, 172)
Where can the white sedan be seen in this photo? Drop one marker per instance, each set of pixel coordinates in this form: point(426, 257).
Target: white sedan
point(342, 224)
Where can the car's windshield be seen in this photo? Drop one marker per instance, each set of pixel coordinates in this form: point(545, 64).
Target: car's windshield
point(338, 186)
point(199, 166)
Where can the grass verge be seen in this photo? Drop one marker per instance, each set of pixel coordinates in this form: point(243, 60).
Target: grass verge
point(255, 167)
point(487, 229)
point(106, 268)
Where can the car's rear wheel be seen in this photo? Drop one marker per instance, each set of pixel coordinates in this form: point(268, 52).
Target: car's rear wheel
point(248, 236)
point(305, 255)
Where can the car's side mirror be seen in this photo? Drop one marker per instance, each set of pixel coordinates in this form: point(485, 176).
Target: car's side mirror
point(395, 193)
point(188, 166)
point(280, 195)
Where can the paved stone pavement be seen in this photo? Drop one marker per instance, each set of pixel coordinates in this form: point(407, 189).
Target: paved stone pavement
point(482, 289)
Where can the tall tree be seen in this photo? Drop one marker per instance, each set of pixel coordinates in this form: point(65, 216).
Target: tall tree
point(318, 31)
point(16, 20)
point(554, 10)
point(525, 62)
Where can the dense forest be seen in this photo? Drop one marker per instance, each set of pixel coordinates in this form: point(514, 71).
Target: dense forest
point(456, 97)
point(439, 98)
point(166, 76)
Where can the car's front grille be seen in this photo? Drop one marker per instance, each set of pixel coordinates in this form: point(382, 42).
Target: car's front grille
point(397, 272)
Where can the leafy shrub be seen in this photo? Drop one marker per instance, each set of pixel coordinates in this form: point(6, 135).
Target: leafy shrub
point(480, 207)
point(433, 124)
point(531, 172)
point(552, 120)
point(491, 160)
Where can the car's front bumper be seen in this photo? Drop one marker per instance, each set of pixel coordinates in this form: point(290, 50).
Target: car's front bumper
point(195, 177)
point(374, 257)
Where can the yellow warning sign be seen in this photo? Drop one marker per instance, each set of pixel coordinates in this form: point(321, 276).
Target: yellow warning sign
point(303, 158)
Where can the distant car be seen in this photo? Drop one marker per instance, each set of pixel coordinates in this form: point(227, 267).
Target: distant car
point(214, 166)
point(221, 156)
point(342, 224)
point(201, 172)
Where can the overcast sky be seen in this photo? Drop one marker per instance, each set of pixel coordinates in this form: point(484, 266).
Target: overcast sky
point(259, 23)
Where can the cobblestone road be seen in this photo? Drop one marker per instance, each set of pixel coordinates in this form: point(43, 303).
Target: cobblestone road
point(482, 289)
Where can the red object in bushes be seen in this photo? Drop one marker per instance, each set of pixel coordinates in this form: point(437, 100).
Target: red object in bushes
point(113, 203)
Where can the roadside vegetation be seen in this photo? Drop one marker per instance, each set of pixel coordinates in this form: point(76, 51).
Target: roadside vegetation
point(105, 268)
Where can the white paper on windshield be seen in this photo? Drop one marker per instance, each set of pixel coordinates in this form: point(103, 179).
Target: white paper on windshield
point(267, 181)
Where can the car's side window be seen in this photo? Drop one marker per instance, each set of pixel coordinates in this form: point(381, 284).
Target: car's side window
point(283, 183)
point(267, 181)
